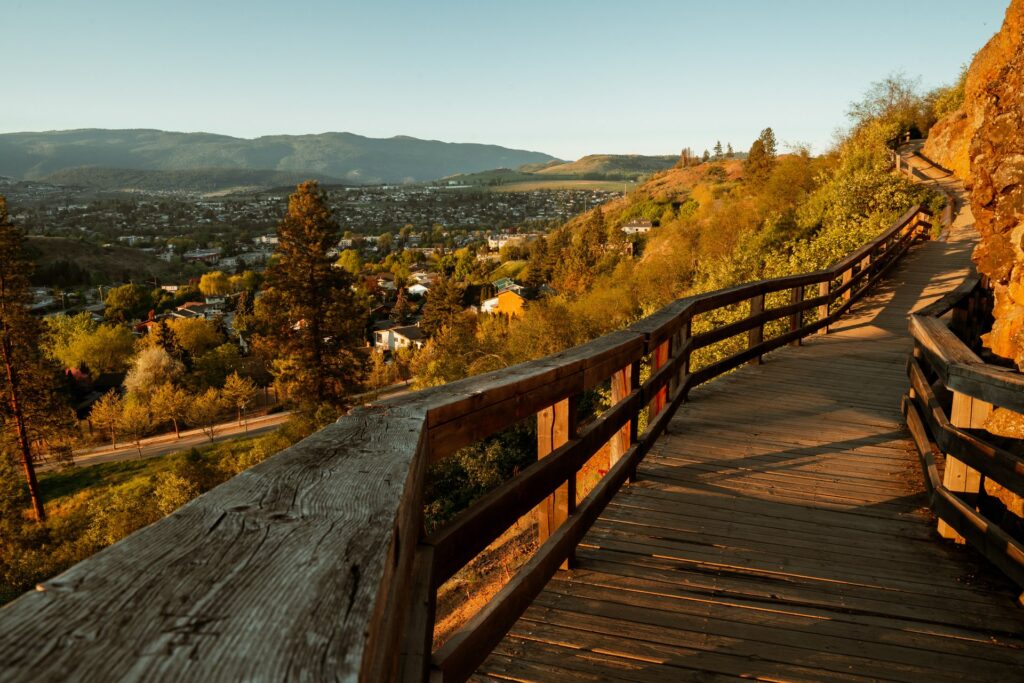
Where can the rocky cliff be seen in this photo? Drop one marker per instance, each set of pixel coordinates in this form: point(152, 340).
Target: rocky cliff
point(995, 107)
point(949, 140)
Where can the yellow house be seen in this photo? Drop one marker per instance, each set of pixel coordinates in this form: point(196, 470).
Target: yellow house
point(507, 302)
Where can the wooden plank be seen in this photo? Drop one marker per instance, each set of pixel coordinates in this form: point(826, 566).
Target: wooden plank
point(796, 319)
point(622, 386)
point(274, 574)
point(556, 426)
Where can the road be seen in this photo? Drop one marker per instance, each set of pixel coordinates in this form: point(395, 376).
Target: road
point(167, 443)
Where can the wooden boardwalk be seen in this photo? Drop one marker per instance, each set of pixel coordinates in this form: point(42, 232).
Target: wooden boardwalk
point(778, 530)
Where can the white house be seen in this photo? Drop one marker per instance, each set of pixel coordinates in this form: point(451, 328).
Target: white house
point(417, 289)
point(637, 227)
point(400, 337)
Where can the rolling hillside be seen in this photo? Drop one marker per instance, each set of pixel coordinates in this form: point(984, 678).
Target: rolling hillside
point(617, 166)
point(344, 157)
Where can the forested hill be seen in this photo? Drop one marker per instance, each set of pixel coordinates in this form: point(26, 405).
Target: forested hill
point(342, 156)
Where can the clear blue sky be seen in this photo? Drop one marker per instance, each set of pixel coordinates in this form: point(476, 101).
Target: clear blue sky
point(566, 78)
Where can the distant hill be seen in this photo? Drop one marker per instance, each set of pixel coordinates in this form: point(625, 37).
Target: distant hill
point(195, 159)
point(198, 180)
point(616, 166)
point(113, 263)
point(594, 167)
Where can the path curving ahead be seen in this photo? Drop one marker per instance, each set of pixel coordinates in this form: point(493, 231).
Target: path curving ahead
point(779, 529)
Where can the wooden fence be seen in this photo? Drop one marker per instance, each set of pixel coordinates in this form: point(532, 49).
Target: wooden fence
point(952, 394)
point(315, 563)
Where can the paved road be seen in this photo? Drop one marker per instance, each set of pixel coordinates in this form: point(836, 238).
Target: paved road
point(164, 443)
point(167, 443)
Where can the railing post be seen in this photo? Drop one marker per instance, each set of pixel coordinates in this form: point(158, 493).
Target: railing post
point(658, 358)
point(418, 642)
point(685, 335)
point(865, 267)
point(622, 385)
point(756, 334)
point(967, 413)
point(847, 277)
point(556, 425)
point(823, 290)
point(796, 320)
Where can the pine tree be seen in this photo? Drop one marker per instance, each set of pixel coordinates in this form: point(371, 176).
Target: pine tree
point(27, 382)
point(729, 151)
point(761, 158)
point(770, 145)
point(538, 269)
point(718, 149)
point(402, 309)
point(443, 305)
point(307, 314)
point(706, 157)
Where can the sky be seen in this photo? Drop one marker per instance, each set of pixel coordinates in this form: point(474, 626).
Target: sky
point(563, 77)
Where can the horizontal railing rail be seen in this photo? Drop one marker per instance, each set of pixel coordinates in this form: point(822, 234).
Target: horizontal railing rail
point(952, 394)
point(316, 563)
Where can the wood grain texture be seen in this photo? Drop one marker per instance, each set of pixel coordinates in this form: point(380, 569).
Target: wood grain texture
point(281, 573)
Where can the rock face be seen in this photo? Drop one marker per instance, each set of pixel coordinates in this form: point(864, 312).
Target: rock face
point(995, 107)
point(949, 140)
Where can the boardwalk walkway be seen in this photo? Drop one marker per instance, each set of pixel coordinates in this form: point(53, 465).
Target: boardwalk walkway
point(779, 531)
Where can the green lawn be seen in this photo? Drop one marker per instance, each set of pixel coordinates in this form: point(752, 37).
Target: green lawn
point(57, 484)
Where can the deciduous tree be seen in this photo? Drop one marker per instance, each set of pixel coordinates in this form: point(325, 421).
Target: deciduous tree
point(239, 392)
point(214, 283)
point(151, 368)
point(135, 421)
point(105, 413)
point(169, 402)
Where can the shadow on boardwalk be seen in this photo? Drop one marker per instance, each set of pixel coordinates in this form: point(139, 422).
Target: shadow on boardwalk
point(779, 529)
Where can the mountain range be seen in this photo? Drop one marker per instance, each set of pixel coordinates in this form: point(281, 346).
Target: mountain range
point(151, 159)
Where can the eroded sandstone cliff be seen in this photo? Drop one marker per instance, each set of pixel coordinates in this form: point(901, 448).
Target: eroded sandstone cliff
point(949, 140)
point(996, 152)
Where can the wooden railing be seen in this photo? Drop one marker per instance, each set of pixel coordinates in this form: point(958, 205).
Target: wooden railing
point(952, 394)
point(315, 564)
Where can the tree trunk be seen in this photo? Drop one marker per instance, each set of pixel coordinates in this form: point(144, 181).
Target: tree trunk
point(23, 444)
point(177, 432)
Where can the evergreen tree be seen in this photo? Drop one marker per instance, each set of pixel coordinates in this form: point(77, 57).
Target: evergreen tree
point(728, 151)
point(307, 314)
point(27, 382)
point(443, 306)
point(706, 157)
point(761, 158)
point(538, 268)
point(402, 309)
point(770, 145)
point(718, 149)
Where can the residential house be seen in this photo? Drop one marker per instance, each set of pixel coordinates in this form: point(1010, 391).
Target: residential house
point(417, 289)
point(399, 337)
point(637, 227)
point(508, 302)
